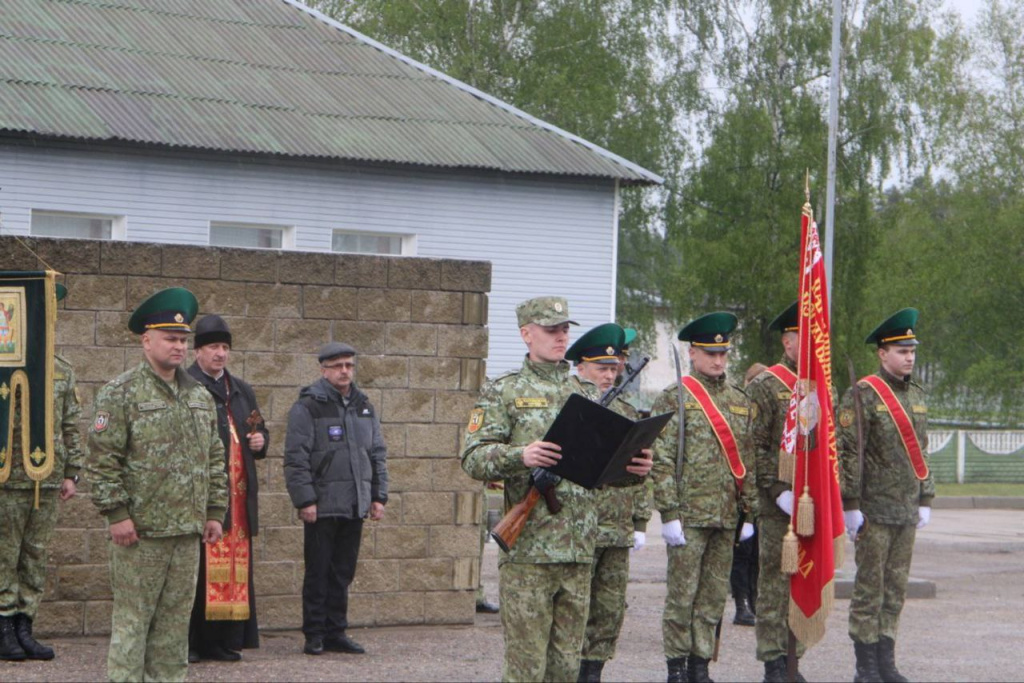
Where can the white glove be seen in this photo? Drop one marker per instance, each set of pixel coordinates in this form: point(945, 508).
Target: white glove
point(639, 539)
point(925, 515)
point(854, 520)
point(672, 532)
point(747, 531)
point(785, 502)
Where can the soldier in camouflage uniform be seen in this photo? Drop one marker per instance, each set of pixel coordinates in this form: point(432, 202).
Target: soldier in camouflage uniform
point(771, 395)
point(886, 503)
point(700, 502)
point(622, 511)
point(157, 474)
point(26, 530)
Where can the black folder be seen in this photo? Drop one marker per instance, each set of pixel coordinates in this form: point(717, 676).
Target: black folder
point(598, 443)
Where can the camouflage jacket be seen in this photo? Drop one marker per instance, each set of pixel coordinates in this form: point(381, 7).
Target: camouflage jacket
point(512, 412)
point(68, 448)
point(156, 456)
point(705, 495)
point(622, 507)
point(771, 401)
point(891, 492)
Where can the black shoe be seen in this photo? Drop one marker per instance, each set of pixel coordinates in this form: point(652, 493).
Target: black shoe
point(590, 671)
point(677, 671)
point(775, 671)
point(193, 656)
point(343, 643)
point(867, 663)
point(886, 649)
point(218, 653)
point(32, 648)
point(697, 670)
point(744, 615)
point(10, 648)
point(314, 645)
point(484, 607)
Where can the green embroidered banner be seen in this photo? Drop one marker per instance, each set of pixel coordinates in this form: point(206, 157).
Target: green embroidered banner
point(28, 318)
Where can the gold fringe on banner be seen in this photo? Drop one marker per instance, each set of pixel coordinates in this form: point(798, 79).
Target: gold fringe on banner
point(839, 551)
point(810, 630)
point(787, 466)
point(790, 552)
point(805, 514)
point(227, 612)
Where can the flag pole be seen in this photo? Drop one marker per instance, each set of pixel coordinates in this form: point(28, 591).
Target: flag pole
point(833, 125)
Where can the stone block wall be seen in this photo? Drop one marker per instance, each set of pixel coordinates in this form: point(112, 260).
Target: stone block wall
point(420, 328)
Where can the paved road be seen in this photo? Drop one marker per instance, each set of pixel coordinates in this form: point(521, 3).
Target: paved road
point(970, 632)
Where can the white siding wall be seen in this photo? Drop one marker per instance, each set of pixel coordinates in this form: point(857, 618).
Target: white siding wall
point(542, 235)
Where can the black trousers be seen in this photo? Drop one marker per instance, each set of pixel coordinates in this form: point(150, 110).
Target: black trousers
point(743, 577)
point(331, 550)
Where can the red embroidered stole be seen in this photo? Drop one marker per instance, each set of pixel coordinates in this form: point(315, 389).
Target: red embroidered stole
point(783, 374)
point(227, 561)
point(720, 426)
point(904, 425)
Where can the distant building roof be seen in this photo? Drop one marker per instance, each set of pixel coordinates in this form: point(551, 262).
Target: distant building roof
point(263, 77)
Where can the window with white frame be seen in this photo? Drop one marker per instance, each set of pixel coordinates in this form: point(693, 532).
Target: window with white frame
point(89, 226)
point(251, 235)
point(358, 242)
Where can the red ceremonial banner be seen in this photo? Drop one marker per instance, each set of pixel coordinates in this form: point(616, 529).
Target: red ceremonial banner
point(811, 436)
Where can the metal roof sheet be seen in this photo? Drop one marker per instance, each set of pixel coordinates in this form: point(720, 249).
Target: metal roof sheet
point(264, 77)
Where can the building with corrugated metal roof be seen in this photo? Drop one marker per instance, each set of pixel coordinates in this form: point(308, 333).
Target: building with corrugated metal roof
point(266, 124)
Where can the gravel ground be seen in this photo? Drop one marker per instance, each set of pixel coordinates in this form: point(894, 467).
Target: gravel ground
point(970, 632)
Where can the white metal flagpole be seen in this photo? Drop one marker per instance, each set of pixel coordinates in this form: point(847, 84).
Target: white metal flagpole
point(833, 125)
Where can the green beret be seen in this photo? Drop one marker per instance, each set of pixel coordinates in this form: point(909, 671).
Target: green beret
point(544, 311)
point(710, 332)
point(171, 310)
point(897, 329)
point(788, 320)
point(603, 344)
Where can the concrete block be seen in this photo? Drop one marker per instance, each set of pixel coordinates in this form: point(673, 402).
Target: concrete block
point(330, 303)
point(281, 369)
point(382, 371)
point(408, 405)
point(96, 292)
point(140, 288)
point(281, 544)
point(112, 329)
point(998, 502)
point(401, 541)
point(76, 328)
point(63, 255)
point(58, 618)
point(409, 474)
point(277, 578)
point(276, 510)
point(95, 364)
point(473, 374)
point(279, 401)
point(301, 336)
point(462, 341)
point(411, 339)
point(357, 270)
point(248, 265)
point(436, 307)
point(98, 543)
point(449, 607)
point(414, 273)
point(466, 574)
point(474, 308)
point(180, 261)
point(467, 276)
point(273, 301)
point(459, 541)
point(394, 437)
point(97, 617)
point(280, 611)
point(79, 513)
point(419, 507)
point(399, 608)
point(429, 372)
point(306, 268)
point(454, 406)
point(469, 507)
point(130, 258)
point(376, 576)
point(430, 574)
point(220, 297)
point(367, 338)
point(68, 546)
point(384, 304)
point(434, 440)
point(362, 609)
point(250, 334)
point(83, 582)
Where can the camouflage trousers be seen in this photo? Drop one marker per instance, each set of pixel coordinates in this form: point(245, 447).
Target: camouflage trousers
point(544, 616)
point(880, 588)
point(608, 578)
point(772, 627)
point(698, 584)
point(154, 585)
point(25, 534)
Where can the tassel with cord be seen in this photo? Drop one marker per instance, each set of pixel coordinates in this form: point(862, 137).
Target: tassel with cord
point(790, 552)
point(805, 514)
point(787, 466)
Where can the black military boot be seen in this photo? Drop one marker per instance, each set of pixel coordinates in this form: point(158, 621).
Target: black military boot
point(32, 648)
point(775, 671)
point(744, 615)
point(590, 671)
point(867, 664)
point(10, 648)
point(677, 672)
point(697, 669)
point(886, 649)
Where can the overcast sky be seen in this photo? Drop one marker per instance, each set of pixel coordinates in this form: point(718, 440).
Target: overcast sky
point(968, 8)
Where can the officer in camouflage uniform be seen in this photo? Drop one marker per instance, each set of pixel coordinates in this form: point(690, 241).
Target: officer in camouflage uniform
point(771, 398)
point(622, 511)
point(886, 503)
point(700, 507)
point(157, 474)
point(26, 530)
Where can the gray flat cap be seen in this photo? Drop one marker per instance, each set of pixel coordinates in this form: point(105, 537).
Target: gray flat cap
point(334, 349)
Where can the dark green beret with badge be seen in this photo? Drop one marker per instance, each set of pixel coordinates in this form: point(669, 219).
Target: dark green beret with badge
point(788, 320)
point(602, 345)
point(710, 332)
point(897, 329)
point(170, 310)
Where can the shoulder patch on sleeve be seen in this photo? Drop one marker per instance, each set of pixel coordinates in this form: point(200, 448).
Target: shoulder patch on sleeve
point(476, 420)
point(845, 418)
point(101, 422)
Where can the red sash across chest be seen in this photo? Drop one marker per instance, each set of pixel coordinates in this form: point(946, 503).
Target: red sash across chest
point(719, 425)
point(904, 426)
point(784, 375)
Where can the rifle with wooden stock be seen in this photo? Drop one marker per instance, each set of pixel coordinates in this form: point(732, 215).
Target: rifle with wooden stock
point(542, 482)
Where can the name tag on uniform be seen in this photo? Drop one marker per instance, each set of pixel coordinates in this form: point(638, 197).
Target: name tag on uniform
point(335, 433)
point(199, 404)
point(152, 405)
point(920, 410)
point(785, 395)
point(531, 403)
point(739, 410)
point(691, 405)
point(880, 408)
